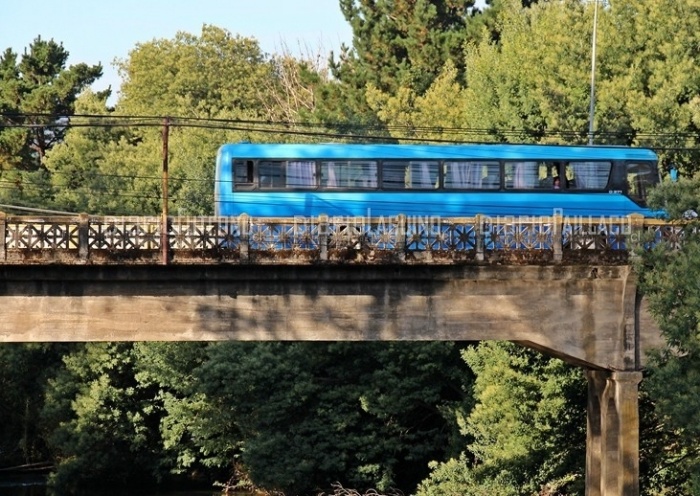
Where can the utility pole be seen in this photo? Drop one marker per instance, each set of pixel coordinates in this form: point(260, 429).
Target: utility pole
point(164, 220)
point(591, 113)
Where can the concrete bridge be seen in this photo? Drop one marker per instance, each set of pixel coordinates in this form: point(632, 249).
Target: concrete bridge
point(562, 286)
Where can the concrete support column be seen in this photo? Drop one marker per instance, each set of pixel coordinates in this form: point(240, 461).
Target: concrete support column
point(612, 444)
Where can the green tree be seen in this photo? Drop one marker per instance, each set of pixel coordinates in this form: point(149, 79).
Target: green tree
point(186, 421)
point(310, 414)
point(401, 42)
point(205, 80)
point(213, 75)
point(36, 96)
point(529, 85)
point(486, 26)
point(24, 372)
point(396, 43)
point(527, 428)
point(654, 74)
point(292, 416)
point(438, 114)
point(128, 416)
point(101, 422)
point(82, 174)
point(669, 280)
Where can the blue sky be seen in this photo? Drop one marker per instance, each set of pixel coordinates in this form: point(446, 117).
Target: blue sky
point(96, 31)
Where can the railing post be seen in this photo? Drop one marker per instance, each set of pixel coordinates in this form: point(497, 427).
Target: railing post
point(557, 241)
point(83, 238)
point(165, 241)
point(3, 236)
point(323, 236)
point(480, 235)
point(401, 232)
point(244, 230)
point(636, 229)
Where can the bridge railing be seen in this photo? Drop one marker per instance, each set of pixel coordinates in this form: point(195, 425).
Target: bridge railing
point(85, 239)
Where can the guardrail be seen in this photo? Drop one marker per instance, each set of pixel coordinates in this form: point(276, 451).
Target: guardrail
point(86, 239)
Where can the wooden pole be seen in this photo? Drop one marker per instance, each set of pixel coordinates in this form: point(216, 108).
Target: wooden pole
point(591, 112)
point(164, 244)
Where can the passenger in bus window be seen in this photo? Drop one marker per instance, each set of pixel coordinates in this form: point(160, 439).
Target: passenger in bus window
point(556, 183)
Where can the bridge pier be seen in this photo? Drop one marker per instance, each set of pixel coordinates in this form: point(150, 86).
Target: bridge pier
point(612, 443)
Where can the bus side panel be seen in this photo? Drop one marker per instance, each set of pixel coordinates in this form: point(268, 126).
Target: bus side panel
point(426, 203)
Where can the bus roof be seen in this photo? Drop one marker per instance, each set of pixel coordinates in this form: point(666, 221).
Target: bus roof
point(340, 151)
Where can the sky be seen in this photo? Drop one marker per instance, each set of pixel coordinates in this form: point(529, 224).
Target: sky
point(95, 31)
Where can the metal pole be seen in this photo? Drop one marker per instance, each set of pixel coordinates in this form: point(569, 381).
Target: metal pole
point(164, 245)
point(593, 57)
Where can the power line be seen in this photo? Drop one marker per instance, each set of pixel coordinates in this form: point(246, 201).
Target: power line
point(322, 130)
point(37, 210)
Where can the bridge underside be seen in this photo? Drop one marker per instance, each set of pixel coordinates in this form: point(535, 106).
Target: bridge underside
point(587, 315)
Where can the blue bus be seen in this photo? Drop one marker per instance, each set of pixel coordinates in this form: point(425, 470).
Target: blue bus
point(461, 180)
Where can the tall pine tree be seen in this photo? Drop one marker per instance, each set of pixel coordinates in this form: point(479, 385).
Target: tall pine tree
point(36, 95)
point(396, 43)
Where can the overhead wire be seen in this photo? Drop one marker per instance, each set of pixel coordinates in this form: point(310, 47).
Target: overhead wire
point(312, 129)
point(36, 210)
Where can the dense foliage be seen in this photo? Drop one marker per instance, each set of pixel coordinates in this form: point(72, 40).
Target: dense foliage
point(435, 418)
point(669, 278)
point(527, 428)
point(295, 416)
point(365, 414)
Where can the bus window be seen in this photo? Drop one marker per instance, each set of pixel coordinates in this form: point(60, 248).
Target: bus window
point(364, 174)
point(301, 174)
point(532, 175)
point(492, 176)
point(640, 177)
point(243, 172)
point(588, 175)
point(351, 175)
point(271, 174)
point(395, 175)
point(550, 176)
point(409, 175)
point(424, 175)
point(331, 174)
point(472, 175)
point(522, 175)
